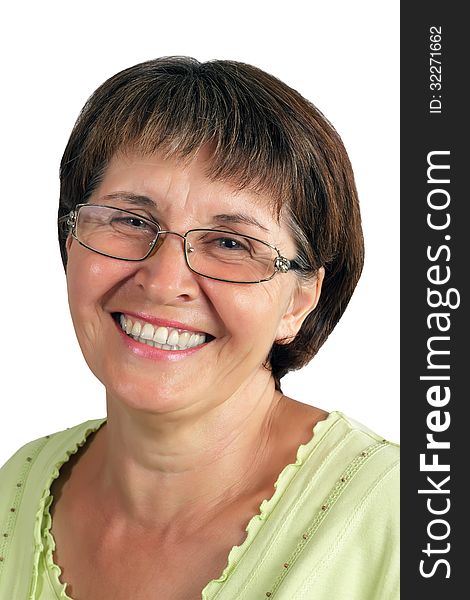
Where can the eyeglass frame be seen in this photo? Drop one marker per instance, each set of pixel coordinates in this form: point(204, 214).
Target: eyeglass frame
point(281, 263)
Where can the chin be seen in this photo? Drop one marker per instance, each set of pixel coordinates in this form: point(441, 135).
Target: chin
point(153, 397)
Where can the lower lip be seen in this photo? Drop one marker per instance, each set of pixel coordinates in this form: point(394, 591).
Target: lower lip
point(146, 351)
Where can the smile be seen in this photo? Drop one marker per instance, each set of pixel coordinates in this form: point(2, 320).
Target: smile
point(165, 338)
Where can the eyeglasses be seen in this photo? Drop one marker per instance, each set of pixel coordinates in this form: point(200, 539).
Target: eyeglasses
point(212, 253)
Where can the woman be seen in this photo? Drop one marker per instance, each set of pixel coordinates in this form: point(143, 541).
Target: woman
point(210, 231)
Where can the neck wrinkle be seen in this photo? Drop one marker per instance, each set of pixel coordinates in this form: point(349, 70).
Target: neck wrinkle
point(160, 488)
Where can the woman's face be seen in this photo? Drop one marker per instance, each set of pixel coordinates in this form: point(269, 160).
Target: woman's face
point(241, 321)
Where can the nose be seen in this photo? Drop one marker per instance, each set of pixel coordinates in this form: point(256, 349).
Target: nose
point(164, 275)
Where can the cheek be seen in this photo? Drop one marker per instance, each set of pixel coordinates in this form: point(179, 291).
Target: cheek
point(90, 280)
point(81, 289)
point(251, 314)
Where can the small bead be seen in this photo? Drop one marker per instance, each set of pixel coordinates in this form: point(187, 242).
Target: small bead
point(305, 536)
point(286, 565)
point(47, 437)
point(19, 484)
point(364, 453)
point(324, 507)
point(268, 594)
point(12, 509)
point(1, 558)
point(343, 479)
point(5, 535)
point(29, 459)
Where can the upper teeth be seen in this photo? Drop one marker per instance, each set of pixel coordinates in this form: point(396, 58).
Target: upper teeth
point(167, 338)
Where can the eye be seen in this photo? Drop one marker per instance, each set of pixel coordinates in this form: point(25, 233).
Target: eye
point(231, 243)
point(223, 244)
point(133, 222)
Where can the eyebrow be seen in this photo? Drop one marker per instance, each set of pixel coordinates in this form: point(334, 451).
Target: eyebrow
point(239, 218)
point(136, 199)
point(223, 218)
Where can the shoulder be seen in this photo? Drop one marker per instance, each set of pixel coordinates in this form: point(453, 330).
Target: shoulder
point(338, 513)
point(354, 469)
point(367, 489)
point(354, 506)
point(353, 434)
point(343, 446)
point(369, 457)
point(25, 481)
point(42, 453)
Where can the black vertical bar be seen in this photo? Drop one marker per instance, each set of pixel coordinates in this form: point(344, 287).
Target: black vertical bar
point(435, 360)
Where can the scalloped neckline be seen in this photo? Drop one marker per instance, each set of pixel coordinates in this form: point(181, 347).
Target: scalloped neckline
point(236, 553)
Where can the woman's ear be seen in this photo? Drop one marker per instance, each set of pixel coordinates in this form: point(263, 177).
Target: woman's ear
point(304, 299)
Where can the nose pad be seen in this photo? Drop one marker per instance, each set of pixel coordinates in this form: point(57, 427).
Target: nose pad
point(165, 277)
point(186, 248)
point(157, 246)
point(161, 238)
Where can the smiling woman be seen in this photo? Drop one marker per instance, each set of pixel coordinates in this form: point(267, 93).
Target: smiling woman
point(210, 231)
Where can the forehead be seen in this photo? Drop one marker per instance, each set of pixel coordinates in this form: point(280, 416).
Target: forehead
point(182, 190)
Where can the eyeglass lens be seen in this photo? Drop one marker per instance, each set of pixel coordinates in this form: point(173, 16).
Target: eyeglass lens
point(223, 255)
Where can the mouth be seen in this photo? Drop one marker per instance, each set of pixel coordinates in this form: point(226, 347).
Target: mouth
point(164, 338)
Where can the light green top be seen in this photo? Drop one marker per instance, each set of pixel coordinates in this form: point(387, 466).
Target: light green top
point(329, 531)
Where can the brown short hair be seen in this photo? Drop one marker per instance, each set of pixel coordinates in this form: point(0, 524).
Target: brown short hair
point(265, 136)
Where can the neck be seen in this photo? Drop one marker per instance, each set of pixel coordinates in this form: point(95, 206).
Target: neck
point(174, 471)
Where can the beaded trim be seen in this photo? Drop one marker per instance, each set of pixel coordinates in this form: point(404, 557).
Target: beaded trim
point(329, 501)
point(17, 493)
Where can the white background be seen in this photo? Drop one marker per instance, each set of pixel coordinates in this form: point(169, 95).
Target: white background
point(341, 55)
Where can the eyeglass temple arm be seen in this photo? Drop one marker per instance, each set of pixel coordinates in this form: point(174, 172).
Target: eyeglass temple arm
point(283, 265)
point(294, 266)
